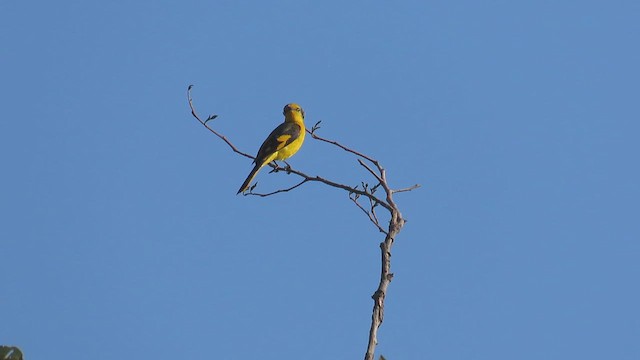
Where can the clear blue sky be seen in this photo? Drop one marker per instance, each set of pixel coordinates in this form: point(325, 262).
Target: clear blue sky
point(121, 234)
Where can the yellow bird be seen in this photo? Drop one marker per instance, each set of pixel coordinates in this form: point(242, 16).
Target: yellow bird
point(282, 143)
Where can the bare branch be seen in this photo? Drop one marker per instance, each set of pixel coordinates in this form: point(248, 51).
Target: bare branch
point(373, 207)
point(212, 117)
point(377, 315)
point(277, 191)
point(412, 187)
point(370, 170)
point(344, 187)
point(333, 184)
point(396, 221)
point(333, 142)
point(370, 214)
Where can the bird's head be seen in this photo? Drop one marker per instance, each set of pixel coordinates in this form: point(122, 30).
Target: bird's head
point(293, 109)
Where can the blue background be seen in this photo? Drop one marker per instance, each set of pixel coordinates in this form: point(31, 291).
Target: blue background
point(121, 234)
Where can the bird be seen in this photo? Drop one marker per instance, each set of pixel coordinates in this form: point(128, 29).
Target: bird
point(284, 141)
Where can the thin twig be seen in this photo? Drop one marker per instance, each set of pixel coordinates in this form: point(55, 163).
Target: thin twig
point(370, 170)
point(373, 211)
point(204, 123)
point(373, 218)
point(412, 187)
point(333, 142)
point(277, 191)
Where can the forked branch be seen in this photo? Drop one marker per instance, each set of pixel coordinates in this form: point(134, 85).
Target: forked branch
point(396, 221)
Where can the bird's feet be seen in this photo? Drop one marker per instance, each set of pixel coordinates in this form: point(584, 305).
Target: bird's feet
point(288, 167)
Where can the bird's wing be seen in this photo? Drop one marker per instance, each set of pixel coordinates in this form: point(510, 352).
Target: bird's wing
point(280, 137)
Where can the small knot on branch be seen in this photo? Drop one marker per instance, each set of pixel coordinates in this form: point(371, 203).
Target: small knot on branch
point(378, 295)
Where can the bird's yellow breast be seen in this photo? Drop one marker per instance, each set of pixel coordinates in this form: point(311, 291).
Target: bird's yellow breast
point(287, 151)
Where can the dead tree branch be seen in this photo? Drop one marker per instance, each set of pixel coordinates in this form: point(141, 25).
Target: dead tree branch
point(396, 221)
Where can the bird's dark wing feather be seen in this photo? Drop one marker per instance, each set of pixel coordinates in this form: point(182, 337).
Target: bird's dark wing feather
point(280, 137)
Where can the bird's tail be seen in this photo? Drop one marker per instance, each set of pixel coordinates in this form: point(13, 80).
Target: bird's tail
point(249, 179)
